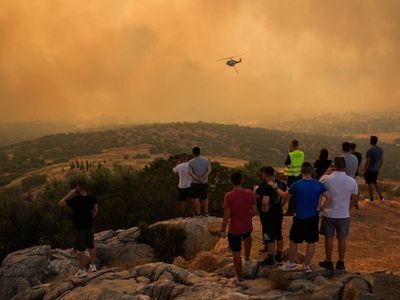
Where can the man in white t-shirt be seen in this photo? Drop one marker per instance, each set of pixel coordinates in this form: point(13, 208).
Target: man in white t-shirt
point(336, 213)
point(182, 168)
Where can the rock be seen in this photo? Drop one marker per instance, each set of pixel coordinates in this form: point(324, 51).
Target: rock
point(258, 286)
point(301, 285)
point(23, 268)
point(129, 235)
point(198, 236)
point(179, 261)
point(330, 291)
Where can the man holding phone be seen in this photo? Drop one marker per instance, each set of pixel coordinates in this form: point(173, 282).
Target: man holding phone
point(84, 208)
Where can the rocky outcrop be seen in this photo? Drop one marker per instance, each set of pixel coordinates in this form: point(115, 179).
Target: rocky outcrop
point(201, 233)
point(36, 265)
point(164, 281)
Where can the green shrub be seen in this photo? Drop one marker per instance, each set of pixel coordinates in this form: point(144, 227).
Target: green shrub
point(167, 240)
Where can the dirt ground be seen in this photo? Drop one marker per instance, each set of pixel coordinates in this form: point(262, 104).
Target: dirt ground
point(373, 242)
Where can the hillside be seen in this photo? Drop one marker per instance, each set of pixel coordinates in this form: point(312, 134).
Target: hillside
point(233, 141)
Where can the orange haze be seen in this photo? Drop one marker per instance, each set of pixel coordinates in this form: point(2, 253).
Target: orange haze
point(148, 60)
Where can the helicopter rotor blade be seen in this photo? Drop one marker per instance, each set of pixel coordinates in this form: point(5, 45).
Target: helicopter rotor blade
point(231, 57)
point(236, 70)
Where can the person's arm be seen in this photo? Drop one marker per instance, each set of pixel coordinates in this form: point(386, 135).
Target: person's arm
point(95, 210)
point(381, 162)
point(265, 203)
point(175, 169)
point(70, 195)
point(353, 200)
point(324, 200)
point(366, 162)
point(288, 160)
point(283, 194)
point(253, 210)
point(209, 169)
point(194, 176)
point(227, 214)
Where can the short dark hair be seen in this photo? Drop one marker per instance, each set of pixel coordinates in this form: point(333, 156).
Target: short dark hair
point(340, 163)
point(306, 168)
point(236, 178)
point(373, 140)
point(353, 146)
point(295, 143)
point(346, 146)
point(196, 151)
point(269, 171)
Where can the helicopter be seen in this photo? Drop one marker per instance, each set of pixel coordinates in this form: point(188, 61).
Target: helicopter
point(231, 62)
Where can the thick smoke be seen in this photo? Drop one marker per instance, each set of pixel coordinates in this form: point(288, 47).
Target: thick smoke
point(140, 61)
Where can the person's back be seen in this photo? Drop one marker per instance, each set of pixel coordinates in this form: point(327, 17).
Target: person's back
point(307, 192)
point(82, 207)
point(351, 164)
point(341, 187)
point(374, 155)
point(240, 202)
point(321, 166)
point(199, 166)
point(184, 178)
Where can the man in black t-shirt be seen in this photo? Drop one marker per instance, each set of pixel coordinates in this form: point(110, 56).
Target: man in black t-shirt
point(272, 215)
point(84, 208)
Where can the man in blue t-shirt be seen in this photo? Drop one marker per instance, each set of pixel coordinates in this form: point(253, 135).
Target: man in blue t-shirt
point(308, 192)
point(373, 164)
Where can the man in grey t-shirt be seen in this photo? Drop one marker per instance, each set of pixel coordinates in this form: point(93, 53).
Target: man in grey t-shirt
point(199, 169)
point(351, 160)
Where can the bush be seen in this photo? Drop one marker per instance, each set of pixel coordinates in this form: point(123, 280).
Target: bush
point(167, 240)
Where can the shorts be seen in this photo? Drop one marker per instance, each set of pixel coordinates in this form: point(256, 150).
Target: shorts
point(331, 225)
point(371, 177)
point(183, 194)
point(305, 230)
point(235, 240)
point(198, 190)
point(272, 228)
point(84, 239)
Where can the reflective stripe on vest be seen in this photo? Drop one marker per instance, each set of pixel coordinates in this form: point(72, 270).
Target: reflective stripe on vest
point(296, 160)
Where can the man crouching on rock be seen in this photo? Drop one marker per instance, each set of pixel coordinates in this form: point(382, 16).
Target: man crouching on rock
point(84, 208)
point(239, 209)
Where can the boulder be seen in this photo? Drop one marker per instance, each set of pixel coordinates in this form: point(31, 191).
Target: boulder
point(201, 233)
point(22, 269)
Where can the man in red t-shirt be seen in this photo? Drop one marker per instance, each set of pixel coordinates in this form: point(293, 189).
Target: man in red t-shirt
point(239, 209)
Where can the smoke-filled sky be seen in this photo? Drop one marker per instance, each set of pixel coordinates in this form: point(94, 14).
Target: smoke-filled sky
point(155, 61)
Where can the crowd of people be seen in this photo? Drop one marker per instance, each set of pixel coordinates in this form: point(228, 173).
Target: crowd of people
point(319, 198)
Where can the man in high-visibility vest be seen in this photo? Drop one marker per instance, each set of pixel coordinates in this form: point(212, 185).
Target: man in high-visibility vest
point(293, 164)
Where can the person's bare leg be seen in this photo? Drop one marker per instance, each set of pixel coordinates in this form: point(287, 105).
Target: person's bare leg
point(342, 249)
point(81, 258)
point(292, 252)
point(237, 262)
point(328, 248)
point(371, 191)
point(279, 246)
point(205, 204)
point(247, 247)
point(183, 207)
point(309, 253)
point(196, 206)
point(378, 190)
point(271, 248)
point(92, 253)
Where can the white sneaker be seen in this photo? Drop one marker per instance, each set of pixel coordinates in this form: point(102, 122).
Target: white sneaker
point(92, 268)
point(289, 267)
point(81, 273)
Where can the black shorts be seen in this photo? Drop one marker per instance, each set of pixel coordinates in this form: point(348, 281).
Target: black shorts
point(305, 230)
point(84, 239)
point(272, 227)
point(198, 190)
point(183, 194)
point(371, 177)
point(235, 240)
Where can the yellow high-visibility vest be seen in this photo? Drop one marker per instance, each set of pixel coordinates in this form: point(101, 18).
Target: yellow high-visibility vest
point(296, 160)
